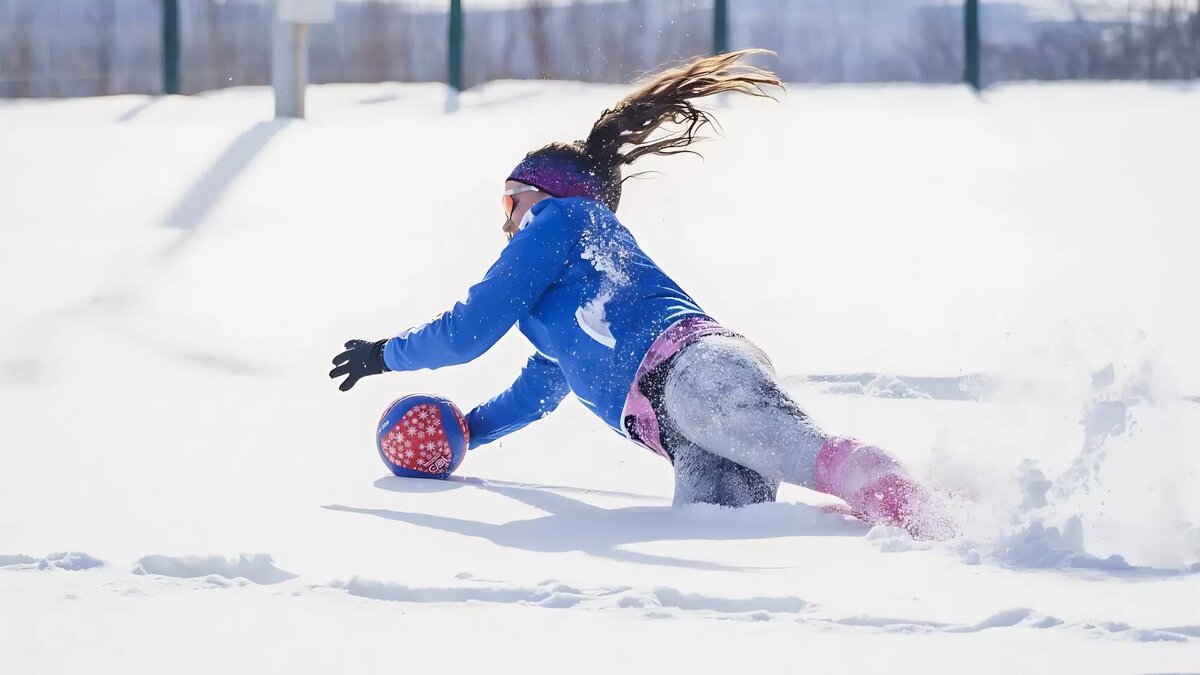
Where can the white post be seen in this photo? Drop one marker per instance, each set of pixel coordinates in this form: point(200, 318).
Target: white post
point(289, 51)
point(289, 68)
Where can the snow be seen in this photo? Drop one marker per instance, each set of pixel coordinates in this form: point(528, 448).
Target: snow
point(607, 260)
point(999, 290)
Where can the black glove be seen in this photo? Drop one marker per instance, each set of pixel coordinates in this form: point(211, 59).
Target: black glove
point(360, 359)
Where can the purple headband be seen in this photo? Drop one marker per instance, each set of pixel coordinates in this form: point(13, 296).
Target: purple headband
point(559, 176)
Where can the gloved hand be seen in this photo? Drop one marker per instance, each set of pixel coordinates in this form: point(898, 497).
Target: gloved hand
point(360, 359)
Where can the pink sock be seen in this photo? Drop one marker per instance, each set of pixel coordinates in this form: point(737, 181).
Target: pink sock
point(846, 465)
point(876, 486)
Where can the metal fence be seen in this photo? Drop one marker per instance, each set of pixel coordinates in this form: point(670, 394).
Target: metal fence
point(90, 47)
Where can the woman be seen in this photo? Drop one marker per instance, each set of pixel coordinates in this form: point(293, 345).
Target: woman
point(611, 327)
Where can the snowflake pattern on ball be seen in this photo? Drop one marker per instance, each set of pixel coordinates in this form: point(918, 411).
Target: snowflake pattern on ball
point(418, 442)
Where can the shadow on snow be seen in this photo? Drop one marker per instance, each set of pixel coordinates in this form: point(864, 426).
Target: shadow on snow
point(572, 524)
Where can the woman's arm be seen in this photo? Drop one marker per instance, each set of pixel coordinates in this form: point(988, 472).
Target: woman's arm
point(537, 391)
point(528, 265)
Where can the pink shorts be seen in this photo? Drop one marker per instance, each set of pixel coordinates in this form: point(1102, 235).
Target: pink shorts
point(639, 417)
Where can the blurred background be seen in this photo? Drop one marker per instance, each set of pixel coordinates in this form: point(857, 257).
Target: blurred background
point(56, 48)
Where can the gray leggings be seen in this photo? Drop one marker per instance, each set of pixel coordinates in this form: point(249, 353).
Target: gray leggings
point(734, 432)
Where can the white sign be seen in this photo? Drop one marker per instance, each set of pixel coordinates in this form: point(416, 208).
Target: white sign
point(304, 11)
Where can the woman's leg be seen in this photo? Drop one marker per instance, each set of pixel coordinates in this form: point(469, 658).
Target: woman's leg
point(704, 478)
point(722, 395)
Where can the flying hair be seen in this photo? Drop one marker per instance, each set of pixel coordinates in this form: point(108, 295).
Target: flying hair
point(665, 103)
point(667, 97)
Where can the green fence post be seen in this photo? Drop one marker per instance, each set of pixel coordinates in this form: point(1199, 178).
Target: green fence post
point(971, 47)
point(170, 47)
point(720, 26)
point(454, 75)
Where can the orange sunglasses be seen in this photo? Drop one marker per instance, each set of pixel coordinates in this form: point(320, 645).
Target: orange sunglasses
point(506, 200)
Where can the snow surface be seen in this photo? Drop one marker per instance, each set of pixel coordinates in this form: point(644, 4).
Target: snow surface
point(1002, 291)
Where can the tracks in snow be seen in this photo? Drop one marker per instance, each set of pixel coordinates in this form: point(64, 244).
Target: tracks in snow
point(662, 602)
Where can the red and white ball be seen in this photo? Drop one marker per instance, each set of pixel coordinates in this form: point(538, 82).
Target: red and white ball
point(423, 436)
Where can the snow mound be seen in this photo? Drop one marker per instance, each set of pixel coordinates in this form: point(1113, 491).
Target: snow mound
point(1026, 618)
point(72, 561)
point(660, 602)
point(258, 568)
point(671, 603)
point(885, 385)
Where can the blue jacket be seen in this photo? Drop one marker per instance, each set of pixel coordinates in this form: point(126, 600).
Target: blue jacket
point(581, 290)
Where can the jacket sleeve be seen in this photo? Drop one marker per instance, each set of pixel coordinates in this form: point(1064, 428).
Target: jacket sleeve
point(538, 390)
point(532, 261)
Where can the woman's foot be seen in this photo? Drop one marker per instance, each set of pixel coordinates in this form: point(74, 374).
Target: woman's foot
point(899, 501)
point(878, 489)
